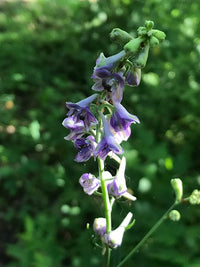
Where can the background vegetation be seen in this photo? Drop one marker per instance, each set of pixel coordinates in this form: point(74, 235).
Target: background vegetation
point(47, 52)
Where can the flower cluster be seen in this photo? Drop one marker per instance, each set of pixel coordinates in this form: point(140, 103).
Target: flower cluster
point(110, 77)
point(100, 123)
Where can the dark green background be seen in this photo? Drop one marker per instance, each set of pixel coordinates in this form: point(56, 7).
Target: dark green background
point(47, 53)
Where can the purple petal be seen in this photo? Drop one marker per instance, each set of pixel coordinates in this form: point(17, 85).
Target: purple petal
point(87, 101)
point(85, 147)
point(98, 86)
point(71, 123)
point(109, 61)
point(121, 118)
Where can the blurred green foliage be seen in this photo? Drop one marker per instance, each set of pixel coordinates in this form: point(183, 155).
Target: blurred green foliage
point(47, 53)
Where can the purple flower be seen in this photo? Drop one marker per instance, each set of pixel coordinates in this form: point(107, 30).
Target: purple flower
point(99, 226)
point(108, 142)
point(89, 183)
point(112, 83)
point(133, 77)
point(106, 79)
point(117, 187)
point(85, 147)
point(80, 112)
point(114, 238)
point(121, 118)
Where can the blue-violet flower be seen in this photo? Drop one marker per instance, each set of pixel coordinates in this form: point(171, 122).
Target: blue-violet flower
point(108, 142)
point(80, 111)
point(112, 83)
point(121, 118)
point(89, 183)
point(85, 147)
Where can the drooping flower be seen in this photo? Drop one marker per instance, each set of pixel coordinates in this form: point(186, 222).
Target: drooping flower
point(108, 142)
point(85, 147)
point(99, 226)
point(114, 238)
point(80, 111)
point(89, 183)
point(121, 118)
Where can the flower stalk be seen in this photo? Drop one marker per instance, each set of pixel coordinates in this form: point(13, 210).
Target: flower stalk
point(148, 234)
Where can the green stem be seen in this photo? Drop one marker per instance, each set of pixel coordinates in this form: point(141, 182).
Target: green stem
point(151, 231)
point(105, 196)
point(107, 206)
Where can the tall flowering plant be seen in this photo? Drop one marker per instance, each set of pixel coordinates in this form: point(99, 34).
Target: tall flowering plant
point(100, 123)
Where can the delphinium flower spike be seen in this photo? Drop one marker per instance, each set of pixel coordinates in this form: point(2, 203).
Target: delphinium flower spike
point(99, 124)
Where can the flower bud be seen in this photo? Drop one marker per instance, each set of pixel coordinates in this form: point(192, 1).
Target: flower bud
point(153, 41)
point(174, 215)
point(99, 226)
point(142, 31)
point(178, 188)
point(194, 198)
point(133, 46)
point(141, 59)
point(149, 24)
point(159, 35)
point(119, 36)
point(133, 77)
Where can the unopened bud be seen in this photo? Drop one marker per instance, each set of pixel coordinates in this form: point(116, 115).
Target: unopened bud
point(149, 24)
point(142, 57)
point(178, 188)
point(174, 215)
point(159, 35)
point(194, 198)
point(142, 31)
point(99, 226)
point(133, 77)
point(133, 46)
point(153, 41)
point(119, 36)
